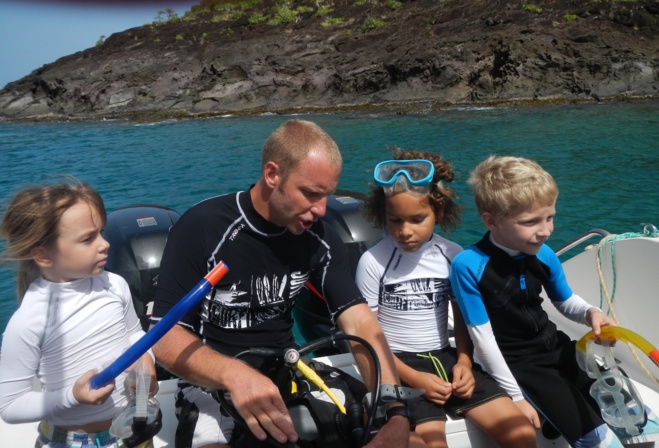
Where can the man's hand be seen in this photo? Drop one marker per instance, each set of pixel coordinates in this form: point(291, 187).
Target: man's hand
point(530, 412)
point(259, 402)
point(255, 397)
point(394, 434)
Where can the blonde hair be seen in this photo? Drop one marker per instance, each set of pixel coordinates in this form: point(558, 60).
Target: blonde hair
point(31, 220)
point(442, 199)
point(292, 142)
point(506, 185)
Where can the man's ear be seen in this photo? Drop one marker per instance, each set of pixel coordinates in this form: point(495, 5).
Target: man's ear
point(41, 257)
point(271, 175)
point(489, 220)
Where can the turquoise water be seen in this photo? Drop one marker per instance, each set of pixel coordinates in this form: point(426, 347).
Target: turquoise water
point(604, 157)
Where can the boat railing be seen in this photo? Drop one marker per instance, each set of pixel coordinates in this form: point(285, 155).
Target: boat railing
point(581, 239)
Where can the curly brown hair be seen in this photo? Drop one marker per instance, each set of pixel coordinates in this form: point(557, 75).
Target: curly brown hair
point(442, 199)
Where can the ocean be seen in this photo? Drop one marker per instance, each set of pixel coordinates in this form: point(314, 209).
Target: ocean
point(604, 157)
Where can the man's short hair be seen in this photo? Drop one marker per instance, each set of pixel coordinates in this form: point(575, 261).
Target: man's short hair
point(292, 142)
point(506, 185)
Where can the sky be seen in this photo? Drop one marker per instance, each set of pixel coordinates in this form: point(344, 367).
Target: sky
point(34, 33)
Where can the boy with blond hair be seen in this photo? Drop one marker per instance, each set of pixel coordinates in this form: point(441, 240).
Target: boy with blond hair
point(497, 283)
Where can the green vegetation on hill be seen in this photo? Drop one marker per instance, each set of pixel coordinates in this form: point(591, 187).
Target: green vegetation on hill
point(251, 13)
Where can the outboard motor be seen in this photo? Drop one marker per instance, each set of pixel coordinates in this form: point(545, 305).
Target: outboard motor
point(137, 236)
point(344, 215)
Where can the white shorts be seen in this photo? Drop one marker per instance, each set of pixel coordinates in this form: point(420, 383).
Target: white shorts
point(200, 421)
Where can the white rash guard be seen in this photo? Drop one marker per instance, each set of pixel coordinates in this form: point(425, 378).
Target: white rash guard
point(59, 332)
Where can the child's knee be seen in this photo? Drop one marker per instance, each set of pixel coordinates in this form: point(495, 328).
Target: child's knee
point(520, 436)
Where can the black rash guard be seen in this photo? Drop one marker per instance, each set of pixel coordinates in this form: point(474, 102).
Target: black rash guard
point(268, 266)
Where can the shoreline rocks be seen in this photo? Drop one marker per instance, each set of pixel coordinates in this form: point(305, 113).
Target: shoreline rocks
point(423, 55)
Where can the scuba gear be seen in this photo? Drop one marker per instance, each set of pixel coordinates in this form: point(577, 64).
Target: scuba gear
point(311, 392)
point(319, 423)
point(619, 401)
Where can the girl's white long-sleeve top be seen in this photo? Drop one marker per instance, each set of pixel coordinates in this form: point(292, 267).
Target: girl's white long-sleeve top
point(59, 332)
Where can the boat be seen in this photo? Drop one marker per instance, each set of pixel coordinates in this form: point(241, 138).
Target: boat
point(619, 270)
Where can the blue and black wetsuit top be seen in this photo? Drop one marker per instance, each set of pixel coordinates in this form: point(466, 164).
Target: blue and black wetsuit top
point(508, 295)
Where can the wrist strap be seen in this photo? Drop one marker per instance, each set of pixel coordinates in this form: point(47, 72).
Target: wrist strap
point(403, 412)
point(392, 392)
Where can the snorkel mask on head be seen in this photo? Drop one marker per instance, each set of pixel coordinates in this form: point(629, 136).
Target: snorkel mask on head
point(614, 392)
point(404, 175)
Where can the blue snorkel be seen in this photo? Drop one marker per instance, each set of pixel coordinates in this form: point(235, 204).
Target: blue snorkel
point(170, 319)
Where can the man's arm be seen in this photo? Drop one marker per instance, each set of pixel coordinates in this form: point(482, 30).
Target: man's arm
point(359, 320)
point(255, 396)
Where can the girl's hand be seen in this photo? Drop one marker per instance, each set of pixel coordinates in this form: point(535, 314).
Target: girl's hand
point(147, 362)
point(83, 392)
point(148, 367)
point(463, 381)
point(437, 390)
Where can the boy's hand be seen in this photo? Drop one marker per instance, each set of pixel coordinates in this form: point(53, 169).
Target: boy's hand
point(530, 412)
point(596, 319)
point(463, 381)
point(83, 392)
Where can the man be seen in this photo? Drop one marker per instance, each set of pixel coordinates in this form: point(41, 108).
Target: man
point(272, 240)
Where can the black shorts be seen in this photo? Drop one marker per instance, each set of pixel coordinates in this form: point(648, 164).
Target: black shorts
point(424, 410)
point(555, 385)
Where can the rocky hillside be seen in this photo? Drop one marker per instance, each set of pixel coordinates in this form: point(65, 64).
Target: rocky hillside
point(402, 55)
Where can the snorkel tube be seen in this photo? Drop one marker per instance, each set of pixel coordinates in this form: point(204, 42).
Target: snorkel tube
point(152, 336)
point(620, 402)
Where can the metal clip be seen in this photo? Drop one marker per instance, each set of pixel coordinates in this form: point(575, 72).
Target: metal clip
point(649, 230)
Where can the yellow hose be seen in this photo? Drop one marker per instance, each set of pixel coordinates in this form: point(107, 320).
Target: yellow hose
point(318, 381)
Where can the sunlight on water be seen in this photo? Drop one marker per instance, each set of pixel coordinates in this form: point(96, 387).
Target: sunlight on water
point(604, 158)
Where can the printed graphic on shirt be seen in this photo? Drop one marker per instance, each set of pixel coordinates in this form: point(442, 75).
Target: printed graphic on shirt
point(265, 299)
point(416, 294)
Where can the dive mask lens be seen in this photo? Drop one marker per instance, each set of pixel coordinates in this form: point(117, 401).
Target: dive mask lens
point(620, 403)
point(404, 175)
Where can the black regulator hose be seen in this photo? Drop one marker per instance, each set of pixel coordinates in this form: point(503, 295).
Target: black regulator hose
point(331, 340)
point(360, 436)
